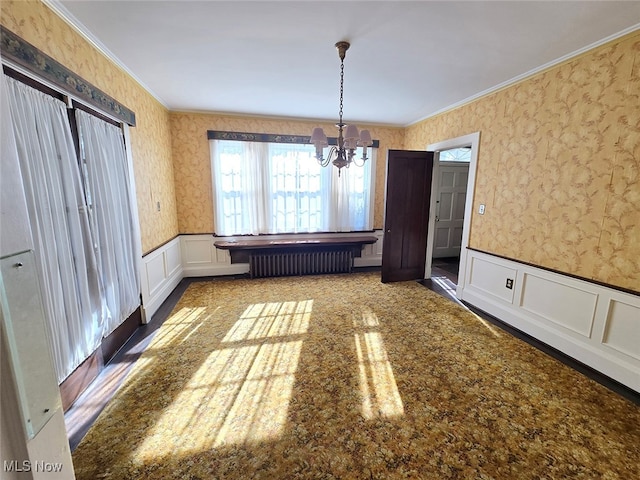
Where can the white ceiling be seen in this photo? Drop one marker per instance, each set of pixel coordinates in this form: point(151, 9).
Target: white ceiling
point(407, 61)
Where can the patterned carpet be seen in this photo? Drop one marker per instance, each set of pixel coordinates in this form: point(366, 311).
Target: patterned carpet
point(343, 377)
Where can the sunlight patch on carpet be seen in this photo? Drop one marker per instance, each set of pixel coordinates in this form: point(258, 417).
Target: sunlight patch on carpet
point(241, 392)
point(180, 326)
point(445, 283)
point(380, 395)
point(450, 288)
point(275, 319)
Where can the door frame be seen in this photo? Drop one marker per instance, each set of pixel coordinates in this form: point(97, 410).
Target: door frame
point(471, 140)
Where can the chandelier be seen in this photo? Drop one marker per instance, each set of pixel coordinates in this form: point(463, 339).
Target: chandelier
point(342, 154)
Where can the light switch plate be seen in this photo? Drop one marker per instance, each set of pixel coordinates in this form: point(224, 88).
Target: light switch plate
point(481, 209)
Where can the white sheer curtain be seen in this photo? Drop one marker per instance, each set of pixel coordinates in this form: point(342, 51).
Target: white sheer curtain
point(349, 196)
point(240, 183)
point(111, 207)
point(264, 187)
point(67, 265)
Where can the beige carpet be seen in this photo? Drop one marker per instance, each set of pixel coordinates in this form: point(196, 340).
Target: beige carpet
point(341, 377)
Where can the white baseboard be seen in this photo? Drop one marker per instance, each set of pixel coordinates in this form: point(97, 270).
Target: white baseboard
point(596, 325)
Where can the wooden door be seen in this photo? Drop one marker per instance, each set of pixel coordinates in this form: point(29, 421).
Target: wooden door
point(451, 197)
point(406, 220)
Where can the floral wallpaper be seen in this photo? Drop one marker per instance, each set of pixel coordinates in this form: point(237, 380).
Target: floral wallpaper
point(150, 139)
point(559, 165)
point(192, 167)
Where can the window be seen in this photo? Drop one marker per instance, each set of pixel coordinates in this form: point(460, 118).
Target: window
point(462, 154)
point(262, 187)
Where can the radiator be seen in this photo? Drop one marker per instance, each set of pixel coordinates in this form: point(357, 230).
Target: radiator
point(300, 263)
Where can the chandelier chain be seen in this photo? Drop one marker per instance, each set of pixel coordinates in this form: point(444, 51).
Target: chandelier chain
point(342, 153)
point(341, 89)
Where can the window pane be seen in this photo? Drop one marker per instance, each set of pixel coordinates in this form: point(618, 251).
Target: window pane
point(456, 155)
point(278, 188)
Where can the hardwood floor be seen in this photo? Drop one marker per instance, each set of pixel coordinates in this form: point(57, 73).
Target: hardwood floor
point(88, 406)
point(84, 411)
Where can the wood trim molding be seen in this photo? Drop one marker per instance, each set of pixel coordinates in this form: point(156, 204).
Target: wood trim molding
point(32, 59)
point(164, 243)
point(77, 382)
point(269, 137)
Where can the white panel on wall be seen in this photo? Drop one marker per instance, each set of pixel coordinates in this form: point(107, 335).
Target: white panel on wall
point(155, 273)
point(202, 259)
point(622, 328)
point(198, 250)
point(377, 247)
point(491, 278)
point(173, 258)
point(222, 256)
point(561, 304)
point(372, 253)
point(162, 271)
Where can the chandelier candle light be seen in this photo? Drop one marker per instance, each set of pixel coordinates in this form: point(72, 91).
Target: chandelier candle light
point(343, 154)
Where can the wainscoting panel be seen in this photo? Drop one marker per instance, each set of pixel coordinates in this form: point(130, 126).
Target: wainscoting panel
point(173, 259)
point(155, 272)
point(161, 272)
point(202, 259)
point(622, 328)
point(562, 304)
point(596, 325)
point(491, 277)
point(198, 250)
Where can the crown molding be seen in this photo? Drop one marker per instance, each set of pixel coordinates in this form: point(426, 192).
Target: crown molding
point(530, 73)
point(60, 10)
point(70, 19)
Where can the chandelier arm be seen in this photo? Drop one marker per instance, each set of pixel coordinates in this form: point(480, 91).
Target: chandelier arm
point(357, 164)
point(326, 161)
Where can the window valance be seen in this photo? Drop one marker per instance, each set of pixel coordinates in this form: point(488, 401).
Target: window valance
point(27, 56)
point(268, 137)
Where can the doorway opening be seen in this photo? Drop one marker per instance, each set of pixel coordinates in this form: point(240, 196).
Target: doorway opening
point(451, 193)
point(454, 170)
